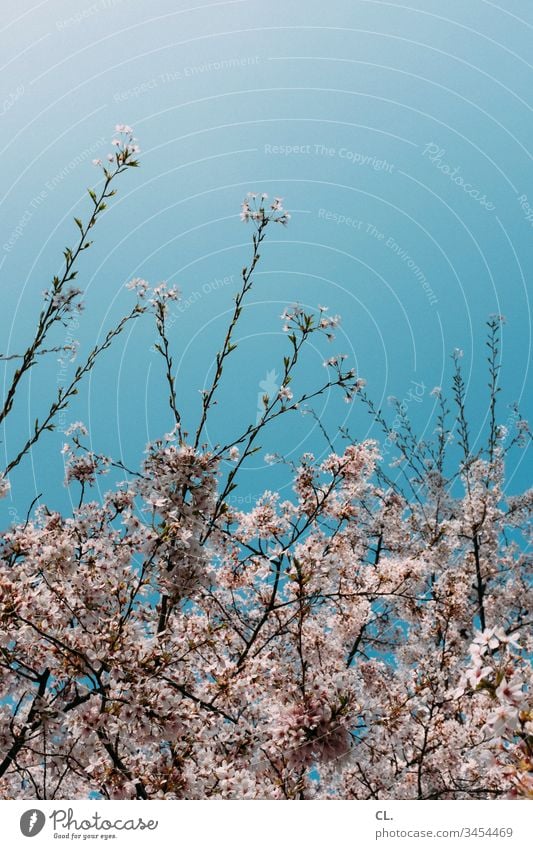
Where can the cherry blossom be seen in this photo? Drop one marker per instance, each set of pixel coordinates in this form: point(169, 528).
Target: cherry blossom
point(356, 637)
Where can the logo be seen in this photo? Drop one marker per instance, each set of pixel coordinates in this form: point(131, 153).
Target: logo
point(32, 822)
point(269, 389)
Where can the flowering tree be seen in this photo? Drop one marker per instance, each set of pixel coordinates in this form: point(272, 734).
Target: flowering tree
point(367, 638)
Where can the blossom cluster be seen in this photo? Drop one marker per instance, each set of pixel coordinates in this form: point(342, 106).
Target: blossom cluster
point(125, 148)
point(255, 208)
point(162, 645)
point(352, 640)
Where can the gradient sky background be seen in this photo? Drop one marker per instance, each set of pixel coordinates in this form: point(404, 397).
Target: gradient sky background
point(362, 88)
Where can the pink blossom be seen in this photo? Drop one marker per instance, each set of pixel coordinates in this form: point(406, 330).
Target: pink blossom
point(5, 486)
point(285, 394)
point(344, 636)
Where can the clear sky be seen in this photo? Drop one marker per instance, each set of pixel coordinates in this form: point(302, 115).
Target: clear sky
point(399, 136)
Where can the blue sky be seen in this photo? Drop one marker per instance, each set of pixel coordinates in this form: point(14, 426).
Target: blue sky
point(399, 138)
